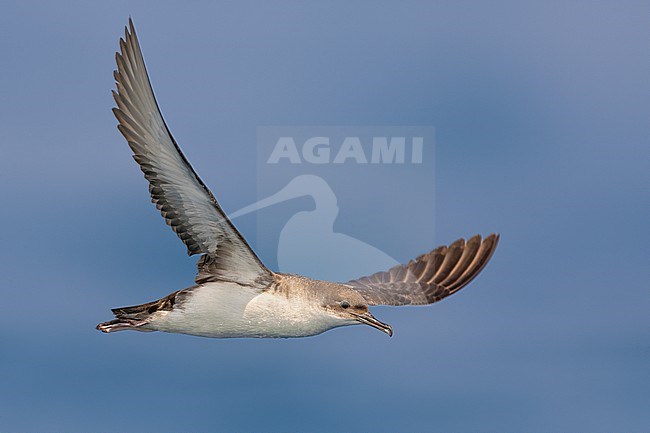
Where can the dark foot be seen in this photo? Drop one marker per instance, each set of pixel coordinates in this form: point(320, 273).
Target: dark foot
point(121, 325)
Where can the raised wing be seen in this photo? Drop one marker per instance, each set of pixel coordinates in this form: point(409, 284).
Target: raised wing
point(187, 205)
point(430, 277)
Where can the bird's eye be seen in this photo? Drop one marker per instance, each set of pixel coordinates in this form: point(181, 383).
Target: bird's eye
point(345, 304)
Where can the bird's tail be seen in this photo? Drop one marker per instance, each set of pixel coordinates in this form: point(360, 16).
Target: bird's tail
point(136, 317)
point(128, 318)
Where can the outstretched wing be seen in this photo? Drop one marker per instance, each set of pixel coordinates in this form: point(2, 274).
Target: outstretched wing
point(431, 277)
point(187, 205)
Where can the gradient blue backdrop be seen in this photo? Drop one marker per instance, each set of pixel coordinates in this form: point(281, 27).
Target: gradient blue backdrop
point(541, 113)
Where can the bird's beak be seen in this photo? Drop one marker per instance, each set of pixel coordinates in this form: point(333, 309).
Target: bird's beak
point(290, 191)
point(368, 319)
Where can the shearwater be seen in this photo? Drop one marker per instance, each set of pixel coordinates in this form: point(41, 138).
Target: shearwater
point(235, 295)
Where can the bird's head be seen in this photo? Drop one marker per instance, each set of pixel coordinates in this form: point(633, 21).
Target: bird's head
point(348, 304)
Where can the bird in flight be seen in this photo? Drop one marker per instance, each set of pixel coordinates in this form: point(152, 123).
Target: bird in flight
point(235, 295)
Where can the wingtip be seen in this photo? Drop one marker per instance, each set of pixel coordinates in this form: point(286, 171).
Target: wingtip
point(123, 45)
point(494, 237)
point(491, 238)
point(458, 243)
point(131, 26)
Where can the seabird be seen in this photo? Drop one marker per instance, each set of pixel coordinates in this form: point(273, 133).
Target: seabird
point(235, 295)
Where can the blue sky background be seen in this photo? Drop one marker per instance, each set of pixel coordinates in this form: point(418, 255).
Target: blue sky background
point(541, 114)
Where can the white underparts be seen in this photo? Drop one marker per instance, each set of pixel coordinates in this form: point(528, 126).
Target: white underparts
point(228, 310)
